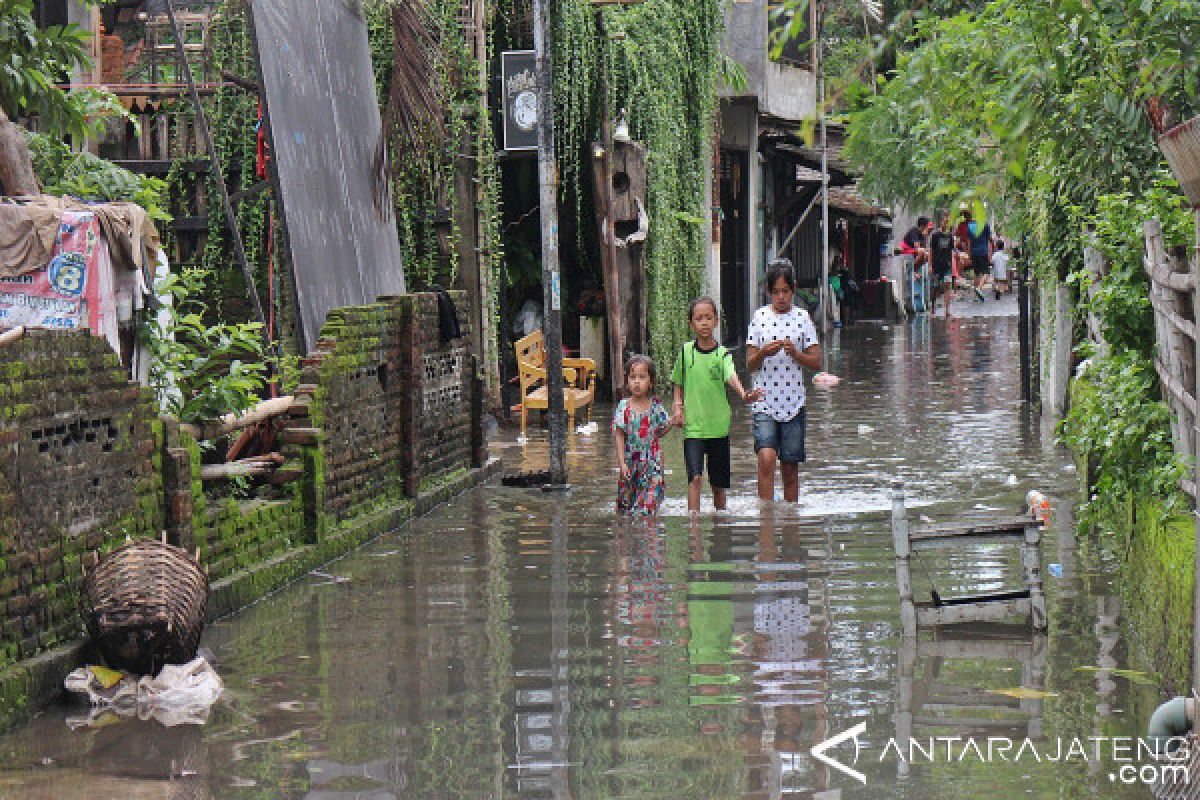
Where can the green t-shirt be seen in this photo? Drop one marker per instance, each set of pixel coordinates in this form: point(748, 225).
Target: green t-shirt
point(703, 374)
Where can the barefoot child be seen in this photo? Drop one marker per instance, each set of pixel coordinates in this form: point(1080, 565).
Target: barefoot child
point(701, 373)
point(638, 424)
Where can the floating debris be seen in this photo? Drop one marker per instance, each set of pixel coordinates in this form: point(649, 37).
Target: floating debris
point(1023, 693)
point(316, 573)
point(1131, 675)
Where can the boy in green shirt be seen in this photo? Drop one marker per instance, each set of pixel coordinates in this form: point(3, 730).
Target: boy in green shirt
point(702, 371)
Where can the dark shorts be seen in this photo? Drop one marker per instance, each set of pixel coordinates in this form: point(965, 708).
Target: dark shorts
point(981, 264)
point(785, 438)
point(716, 451)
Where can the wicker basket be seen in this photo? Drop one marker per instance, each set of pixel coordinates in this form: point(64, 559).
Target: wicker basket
point(1181, 147)
point(144, 605)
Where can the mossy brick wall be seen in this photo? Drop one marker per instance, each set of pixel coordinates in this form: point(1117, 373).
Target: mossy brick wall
point(386, 412)
point(393, 405)
point(80, 471)
point(439, 436)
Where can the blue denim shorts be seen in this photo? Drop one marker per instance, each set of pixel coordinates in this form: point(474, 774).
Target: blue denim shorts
point(785, 438)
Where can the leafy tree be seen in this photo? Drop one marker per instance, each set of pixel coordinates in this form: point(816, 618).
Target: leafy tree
point(33, 61)
point(1035, 105)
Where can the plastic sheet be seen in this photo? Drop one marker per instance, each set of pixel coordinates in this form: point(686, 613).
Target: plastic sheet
point(179, 695)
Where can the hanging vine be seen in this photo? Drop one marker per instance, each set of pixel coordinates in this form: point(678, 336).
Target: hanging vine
point(662, 59)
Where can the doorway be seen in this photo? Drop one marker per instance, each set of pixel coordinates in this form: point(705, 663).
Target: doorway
point(734, 185)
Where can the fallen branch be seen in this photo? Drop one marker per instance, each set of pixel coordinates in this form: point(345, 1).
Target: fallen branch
point(232, 422)
point(258, 465)
point(10, 336)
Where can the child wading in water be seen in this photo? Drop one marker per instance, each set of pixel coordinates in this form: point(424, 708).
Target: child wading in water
point(701, 373)
point(639, 422)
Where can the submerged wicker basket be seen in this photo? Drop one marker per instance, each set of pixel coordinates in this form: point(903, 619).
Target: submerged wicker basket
point(144, 605)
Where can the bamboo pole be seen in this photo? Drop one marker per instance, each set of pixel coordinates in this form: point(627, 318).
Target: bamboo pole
point(235, 233)
point(11, 336)
point(246, 467)
point(232, 422)
point(1195, 270)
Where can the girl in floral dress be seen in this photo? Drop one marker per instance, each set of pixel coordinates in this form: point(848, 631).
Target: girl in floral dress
point(638, 424)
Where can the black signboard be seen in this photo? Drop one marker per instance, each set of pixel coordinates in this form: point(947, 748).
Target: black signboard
point(328, 153)
point(518, 76)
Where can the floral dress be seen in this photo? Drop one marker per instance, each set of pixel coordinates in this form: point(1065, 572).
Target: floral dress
point(644, 490)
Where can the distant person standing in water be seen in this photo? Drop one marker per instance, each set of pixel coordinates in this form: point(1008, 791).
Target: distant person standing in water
point(941, 257)
point(975, 239)
point(780, 343)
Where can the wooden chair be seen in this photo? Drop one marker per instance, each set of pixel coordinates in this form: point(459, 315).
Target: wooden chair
point(580, 375)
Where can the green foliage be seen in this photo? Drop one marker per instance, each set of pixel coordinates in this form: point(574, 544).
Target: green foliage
point(423, 182)
point(32, 61)
point(1030, 104)
point(63, 171)
point(1116, 416)
point(200, 370)
point(232, 119)
point(1121, 301)
point(1117, 419)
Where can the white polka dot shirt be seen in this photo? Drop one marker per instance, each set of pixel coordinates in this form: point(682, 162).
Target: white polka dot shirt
point(780, 377)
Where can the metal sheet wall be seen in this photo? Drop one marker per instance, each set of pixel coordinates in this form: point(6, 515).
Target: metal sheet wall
point(330, 155)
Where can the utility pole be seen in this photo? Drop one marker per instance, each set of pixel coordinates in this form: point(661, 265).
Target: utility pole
point(825, 296)
point(551, 279)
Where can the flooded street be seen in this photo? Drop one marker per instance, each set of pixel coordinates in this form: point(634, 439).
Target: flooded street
point(519, 644)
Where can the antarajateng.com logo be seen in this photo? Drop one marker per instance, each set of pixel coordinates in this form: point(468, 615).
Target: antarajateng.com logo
point(1130, 760)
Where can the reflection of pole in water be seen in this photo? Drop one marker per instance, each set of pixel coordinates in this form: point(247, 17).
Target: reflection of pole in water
point(559, 661)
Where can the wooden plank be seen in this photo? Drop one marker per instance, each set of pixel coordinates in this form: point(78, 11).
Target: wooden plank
point(1006, 524)
point(983, 597)
point(981, 649)
point(1174, 387)
point(972, 612)
point(944, 708)
point(1175, 281)
point(971, 723)
point(1184, 326)
point(948, 542)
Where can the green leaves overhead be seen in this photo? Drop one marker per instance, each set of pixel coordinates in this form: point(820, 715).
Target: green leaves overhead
point(33, 61)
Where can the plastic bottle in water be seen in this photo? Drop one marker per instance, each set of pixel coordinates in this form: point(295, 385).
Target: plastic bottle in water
point(1039, 505)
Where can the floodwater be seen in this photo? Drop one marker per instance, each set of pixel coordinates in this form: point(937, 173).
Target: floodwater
point(524, 645)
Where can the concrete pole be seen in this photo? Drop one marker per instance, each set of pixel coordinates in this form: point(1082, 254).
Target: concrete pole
point(824, 294)
point(551, 279)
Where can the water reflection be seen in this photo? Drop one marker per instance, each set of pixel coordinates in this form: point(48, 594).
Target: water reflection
point(521, 645)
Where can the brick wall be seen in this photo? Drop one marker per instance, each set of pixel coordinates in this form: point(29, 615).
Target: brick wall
point(385, 411)
point(440, 377)
point(394, 406)
point(79, 471)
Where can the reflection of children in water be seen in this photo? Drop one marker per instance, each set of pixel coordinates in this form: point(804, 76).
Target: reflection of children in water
point(711, 642)
point(647, 616)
